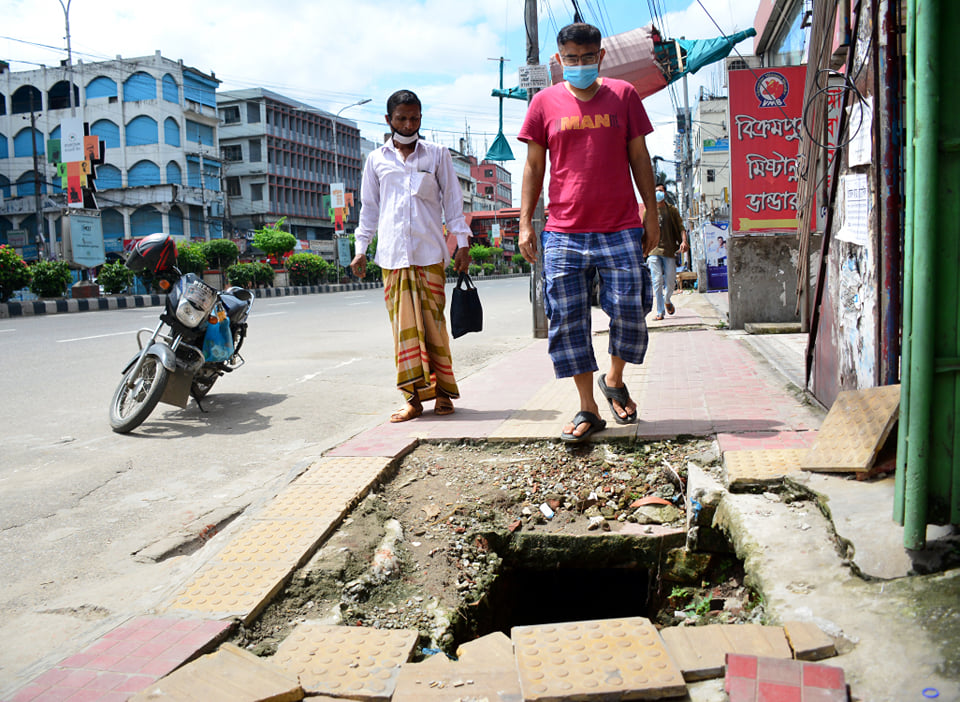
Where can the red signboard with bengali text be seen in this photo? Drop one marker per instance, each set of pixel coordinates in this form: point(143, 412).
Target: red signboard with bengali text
point(766, 126)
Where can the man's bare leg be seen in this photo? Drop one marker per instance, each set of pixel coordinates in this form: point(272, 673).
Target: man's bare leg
point(584, 383)
point(614, 379)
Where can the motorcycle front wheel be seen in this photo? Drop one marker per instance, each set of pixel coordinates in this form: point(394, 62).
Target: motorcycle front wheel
point(136, 397)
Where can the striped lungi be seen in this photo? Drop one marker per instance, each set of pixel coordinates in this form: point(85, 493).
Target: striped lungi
point(415, 299)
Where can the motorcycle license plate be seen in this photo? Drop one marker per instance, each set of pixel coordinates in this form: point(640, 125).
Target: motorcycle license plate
point(201, 295)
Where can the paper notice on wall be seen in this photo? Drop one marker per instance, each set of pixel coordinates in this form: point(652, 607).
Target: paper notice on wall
point(860, 124)
point(856, 212)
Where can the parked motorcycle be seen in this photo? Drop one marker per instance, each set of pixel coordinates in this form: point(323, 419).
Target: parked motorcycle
point(204, 332)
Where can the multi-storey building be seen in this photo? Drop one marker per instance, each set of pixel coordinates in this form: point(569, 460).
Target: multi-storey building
point(493, 183)
point(157, 121)
point(280, 157)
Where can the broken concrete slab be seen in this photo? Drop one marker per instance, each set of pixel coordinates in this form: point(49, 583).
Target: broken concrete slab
point(341, 660)
point(484, 674)
point(700, 651)
point(229, 674)
point(808, 642)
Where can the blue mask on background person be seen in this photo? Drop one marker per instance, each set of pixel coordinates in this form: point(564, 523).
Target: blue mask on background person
point(660, 195)
point(581, 77)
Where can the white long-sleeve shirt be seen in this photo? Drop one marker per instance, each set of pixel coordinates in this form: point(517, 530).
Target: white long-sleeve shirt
point(405, 203)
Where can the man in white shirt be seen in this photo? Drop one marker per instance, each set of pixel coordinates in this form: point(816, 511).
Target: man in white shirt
point(409, 190)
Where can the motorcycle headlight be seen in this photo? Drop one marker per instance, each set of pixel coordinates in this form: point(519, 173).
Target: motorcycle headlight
point(189, 314)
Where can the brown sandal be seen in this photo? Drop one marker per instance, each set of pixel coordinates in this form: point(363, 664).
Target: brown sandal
point(443, 405)
point(407, 412)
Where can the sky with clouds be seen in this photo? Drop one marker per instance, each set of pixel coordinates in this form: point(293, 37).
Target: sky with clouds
point(330, 53)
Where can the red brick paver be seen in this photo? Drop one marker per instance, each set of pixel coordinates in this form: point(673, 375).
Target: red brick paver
point(753, 679)
point(124, 660)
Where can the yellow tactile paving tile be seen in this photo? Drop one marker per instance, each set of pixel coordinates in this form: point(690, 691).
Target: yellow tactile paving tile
point(316, 501)
point(595, 660)
point(758, 467)
point(854, 430)
point(438, 679)
point(354, 662)
point(340, 469)
point(228, 589)
point(701, 651)
point(229, 674)
point(280, 542)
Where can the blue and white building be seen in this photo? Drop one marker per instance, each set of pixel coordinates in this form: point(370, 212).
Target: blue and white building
point(161, 165)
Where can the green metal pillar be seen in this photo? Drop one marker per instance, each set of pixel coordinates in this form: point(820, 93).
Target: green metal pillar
point(928, 461)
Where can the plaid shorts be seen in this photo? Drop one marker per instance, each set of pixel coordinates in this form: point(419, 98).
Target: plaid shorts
point(570, 262)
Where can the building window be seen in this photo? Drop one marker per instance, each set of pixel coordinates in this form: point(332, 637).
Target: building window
point(233, 187)
point(488, 173)
point(231, 115)
point(255, 151)
point(711, 175)
point(253, 112)
point(256, 191)
point(233, 152)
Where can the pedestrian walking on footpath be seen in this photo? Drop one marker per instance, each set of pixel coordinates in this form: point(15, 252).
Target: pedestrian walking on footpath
point(662, 261)
point(409, 190)
point(594, 129)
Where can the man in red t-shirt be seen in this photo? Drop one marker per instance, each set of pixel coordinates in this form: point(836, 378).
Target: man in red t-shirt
point(594, 129)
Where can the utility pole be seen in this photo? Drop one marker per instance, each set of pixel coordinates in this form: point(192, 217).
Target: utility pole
point(336, 179)
point(533, 59)
point(66, 19)
point(687, 154)
point(37, 202)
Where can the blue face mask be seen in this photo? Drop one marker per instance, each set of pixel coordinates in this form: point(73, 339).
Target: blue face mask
point(581, 77)
point(660, 195)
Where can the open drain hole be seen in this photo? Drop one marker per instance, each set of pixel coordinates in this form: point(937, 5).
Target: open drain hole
point(525, 597)
point(455, 545)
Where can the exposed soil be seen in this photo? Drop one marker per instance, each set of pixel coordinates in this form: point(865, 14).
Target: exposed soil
point(429, 548)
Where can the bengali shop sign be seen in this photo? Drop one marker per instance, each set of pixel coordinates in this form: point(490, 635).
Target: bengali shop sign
point(766, 125)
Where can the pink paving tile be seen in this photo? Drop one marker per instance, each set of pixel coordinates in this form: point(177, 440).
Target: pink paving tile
point(152, 649)
point(87, 695)
point(741, 666)
point(130, 664)
point(778, 670)
point(135, 683)
point(123, 647)
point(372, 443)
point(107, 681)
point(77, 678)
point(161, 666)
point(104, 662)
point(819, 675)
point(772, 692)
point(80, 660)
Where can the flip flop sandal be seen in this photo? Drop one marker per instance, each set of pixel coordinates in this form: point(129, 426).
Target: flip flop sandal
point(596, 424)
point(621, 395)
point(443, 406)
point(406, 413)
point(670, 308)
point(658, 317)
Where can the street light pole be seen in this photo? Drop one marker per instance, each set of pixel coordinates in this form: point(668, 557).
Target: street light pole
point(336, 177)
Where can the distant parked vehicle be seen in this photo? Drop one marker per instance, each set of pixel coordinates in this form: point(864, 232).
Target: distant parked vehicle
point(204, 332)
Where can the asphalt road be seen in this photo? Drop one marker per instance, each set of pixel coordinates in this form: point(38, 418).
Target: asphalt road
point(92, 522)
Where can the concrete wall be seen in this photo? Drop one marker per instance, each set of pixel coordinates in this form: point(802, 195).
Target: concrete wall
point(762, 277)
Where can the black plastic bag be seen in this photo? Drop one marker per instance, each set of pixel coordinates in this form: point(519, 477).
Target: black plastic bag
point(466, 313)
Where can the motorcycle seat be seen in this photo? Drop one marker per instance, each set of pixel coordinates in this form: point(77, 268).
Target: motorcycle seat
point(236, 301)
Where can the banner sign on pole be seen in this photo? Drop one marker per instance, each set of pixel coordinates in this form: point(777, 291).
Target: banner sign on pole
point(766, 127)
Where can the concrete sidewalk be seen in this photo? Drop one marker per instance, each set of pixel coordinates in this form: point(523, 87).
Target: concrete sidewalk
point(896, 632)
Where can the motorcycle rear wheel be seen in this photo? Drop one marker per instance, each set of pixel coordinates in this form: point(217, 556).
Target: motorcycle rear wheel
point(132, 405)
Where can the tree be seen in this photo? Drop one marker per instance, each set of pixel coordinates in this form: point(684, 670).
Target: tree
point(480, 253)
point(190, 258)
point(306, 269)
point(220, 253)
point(14, 272)
point(115, 277)
point(273, 241)
point(50, 278)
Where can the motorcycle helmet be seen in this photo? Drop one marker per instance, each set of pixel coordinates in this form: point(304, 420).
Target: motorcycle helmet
point(154, 254)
